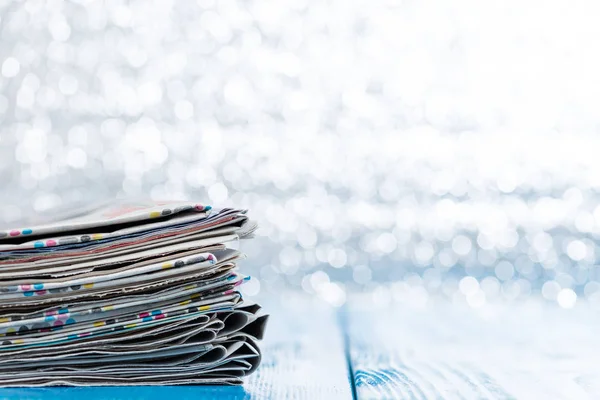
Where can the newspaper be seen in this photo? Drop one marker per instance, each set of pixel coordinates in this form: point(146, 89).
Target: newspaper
point(129, 293)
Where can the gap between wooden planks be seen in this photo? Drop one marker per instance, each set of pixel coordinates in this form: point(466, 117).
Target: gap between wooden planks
point(398, 351)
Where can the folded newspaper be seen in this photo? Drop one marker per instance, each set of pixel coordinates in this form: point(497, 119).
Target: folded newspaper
point(127, 294)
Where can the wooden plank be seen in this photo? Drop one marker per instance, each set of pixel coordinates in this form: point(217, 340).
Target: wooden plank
point(447, 351)
point(303, 358)
point(304, 355)
point(129, 393)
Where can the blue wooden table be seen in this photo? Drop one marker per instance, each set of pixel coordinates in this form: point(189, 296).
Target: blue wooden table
point(397, 350)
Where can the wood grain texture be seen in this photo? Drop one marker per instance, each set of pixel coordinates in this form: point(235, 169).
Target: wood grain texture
point(517, 351)
point(303, 358)
point(303, 354)
point(453, 352)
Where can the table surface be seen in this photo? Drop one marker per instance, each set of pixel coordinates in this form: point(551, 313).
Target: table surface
point(397, 350)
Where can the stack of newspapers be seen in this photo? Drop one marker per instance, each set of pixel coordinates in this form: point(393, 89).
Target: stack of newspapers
point(127, 293)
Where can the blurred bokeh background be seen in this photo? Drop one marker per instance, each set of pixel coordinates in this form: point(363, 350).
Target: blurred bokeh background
point(412, 149)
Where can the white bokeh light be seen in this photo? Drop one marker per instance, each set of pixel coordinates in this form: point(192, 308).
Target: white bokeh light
point(369, 150)
point(566, 298)
point(10, 67)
